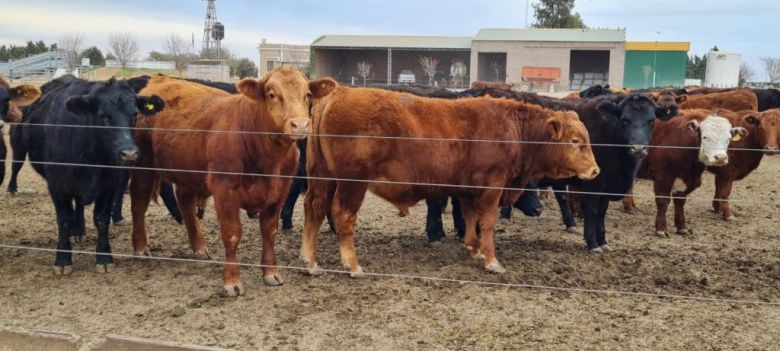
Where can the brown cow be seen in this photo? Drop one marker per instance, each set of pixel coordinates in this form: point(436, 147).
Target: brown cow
point(764, 134)
point(277, 103)
point(478, 84)
point(11, 99)
point(692, 140)
point(734, 100)
point(386, 166)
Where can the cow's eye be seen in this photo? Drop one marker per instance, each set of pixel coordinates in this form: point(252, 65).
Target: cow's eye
point(309, 95)
point(271, 95)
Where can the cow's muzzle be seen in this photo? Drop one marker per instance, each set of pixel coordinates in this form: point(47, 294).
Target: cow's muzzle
point(128, 156)
point(771, 150)
point(300, 128)
point(638, 151)
point(590, 174)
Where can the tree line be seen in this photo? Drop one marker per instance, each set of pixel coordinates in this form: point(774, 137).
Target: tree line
point(125, 48)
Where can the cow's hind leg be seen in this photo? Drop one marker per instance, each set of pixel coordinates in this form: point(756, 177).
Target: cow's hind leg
point(317, 205)
point(457, 218)
point(590, 205)
point(470, 217)
point(601, 229)
point(19, 154)
point(434, 227)
point(662, 191)
point(63, 206)
point(346, 204)
point(563, 203)
point(102, 217)
point(628, 202)
point(289, 205)
point(3, 154)
point(78, 228)
point(188, 206)
point(169, 199)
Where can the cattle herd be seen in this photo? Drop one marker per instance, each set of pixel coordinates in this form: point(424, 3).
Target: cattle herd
point(259, 144)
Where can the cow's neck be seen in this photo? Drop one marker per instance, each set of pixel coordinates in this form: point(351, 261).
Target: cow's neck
point(262, 147)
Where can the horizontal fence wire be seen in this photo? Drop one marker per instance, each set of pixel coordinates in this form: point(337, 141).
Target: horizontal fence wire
point(357, 136)
point(603, 292)
point(390, 182)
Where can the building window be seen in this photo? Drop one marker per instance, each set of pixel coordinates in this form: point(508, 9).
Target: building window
point(270, 66)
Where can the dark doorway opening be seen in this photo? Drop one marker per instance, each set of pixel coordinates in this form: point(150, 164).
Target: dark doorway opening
point(588, 68)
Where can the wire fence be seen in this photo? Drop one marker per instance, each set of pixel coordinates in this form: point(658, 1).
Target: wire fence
point(357, 136)
point(604, 292)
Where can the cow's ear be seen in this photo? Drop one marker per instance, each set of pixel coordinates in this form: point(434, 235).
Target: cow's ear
point(252, 88)
point(694, 127)
point(149, 105)
point(681, 99)
point(322, 87)
point(609, 109)
point(82, 104)
point(737, 133)
point(24, 95)
point(138, 83)
point(555, 127)
point(666, 113)
point(752, 118)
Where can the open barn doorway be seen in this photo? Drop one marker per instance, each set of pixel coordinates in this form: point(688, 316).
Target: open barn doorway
point(491, 67)
point(588, 68)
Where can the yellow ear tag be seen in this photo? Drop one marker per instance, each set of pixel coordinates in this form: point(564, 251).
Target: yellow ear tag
point(737, 137)
point(150, 106)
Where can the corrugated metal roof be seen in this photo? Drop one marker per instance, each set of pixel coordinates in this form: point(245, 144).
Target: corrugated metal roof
point(392, 41)
point(658, 46)
point(548, 34)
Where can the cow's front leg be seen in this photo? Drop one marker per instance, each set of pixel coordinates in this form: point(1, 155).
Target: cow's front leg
point(187, 204)
point(487, 207)
point(63, 261)
point(723, 187)
point(346, 203)
point(101, 215)
point(269, 225)
point(228, 206)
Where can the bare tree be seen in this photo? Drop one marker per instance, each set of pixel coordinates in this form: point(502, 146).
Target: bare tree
point(497, 67)
point(746, 73)
point(178, 49)
point(458, 72)
point(124, 46)
point(71, 44)
point(363, 70)
point(772, 68)
point(429, 67)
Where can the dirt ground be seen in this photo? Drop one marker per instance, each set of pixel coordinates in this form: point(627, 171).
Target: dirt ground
point(181, 301)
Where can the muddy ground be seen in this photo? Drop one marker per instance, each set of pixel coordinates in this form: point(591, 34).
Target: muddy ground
point(181, 302)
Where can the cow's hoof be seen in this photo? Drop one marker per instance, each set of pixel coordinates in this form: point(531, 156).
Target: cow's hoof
point(78, 238)
point(597, 250)
point(731, 218)
point(63, 270)
point(104, 268)
point(357, 273)
point(683, 231)
point(573, 230)
point(661, 234)
point(273, 280)
point(478, 256)
point(12, 193)
point(120, 223)
point(145, 252)
point(436, 243)
point(314, 270)
point(628, 210)
point(234, 290)
point(201, 255)
point(605, 248)
point(504, 221)
point(495, 267)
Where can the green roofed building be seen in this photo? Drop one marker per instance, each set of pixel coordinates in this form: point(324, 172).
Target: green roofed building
point(655, 64)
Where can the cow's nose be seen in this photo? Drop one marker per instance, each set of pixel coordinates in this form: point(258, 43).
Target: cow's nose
point(771, 150)
point(129, 155)
point(538, 212)
point(638, 150)
point(721, 159)
point(302, 124)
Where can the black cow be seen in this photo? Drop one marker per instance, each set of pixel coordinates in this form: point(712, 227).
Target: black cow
point(67, 102)
point(625, 120)
point(767, 98)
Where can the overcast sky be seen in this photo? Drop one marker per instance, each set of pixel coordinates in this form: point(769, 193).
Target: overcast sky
point(747, 27)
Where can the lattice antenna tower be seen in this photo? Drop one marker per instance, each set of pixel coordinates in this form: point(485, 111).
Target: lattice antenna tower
point(213, 32)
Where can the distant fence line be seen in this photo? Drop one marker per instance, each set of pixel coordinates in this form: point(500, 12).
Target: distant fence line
point(142, 64)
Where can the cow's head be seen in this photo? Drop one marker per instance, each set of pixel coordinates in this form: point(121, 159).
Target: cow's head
point(768, 129)
point(529, 202)
point(572, 143)
point(11, 99)
point(114, 105)
point(285, 93)
point(669, 102)
point(633, 118)
point(715, 133)
point(596, 90)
